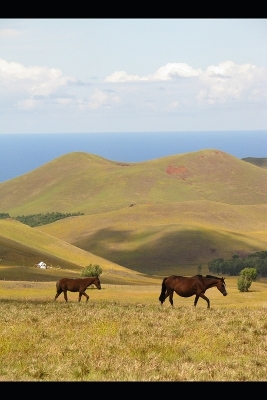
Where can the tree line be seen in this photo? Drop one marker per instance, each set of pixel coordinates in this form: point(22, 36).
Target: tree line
point(40, 219)
point(236, 264)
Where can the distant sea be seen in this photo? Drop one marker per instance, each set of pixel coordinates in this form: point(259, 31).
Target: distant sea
point(22, 153)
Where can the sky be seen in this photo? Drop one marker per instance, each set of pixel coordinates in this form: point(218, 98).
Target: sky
point(132, 75)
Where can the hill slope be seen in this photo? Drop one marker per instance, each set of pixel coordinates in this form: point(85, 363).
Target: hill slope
point(81, 182)
point(23, 246)
point(161, 239)
point(259, 162)
point(157, 217)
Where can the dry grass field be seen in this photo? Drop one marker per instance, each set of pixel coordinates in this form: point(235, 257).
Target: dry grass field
point(123, 334)
point(139, 293)
point(142, 222)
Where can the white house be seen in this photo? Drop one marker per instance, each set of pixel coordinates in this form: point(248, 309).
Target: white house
point(41, 265)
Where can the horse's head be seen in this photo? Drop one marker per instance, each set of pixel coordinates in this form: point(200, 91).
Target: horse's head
point(97, 282)
point(222, 287)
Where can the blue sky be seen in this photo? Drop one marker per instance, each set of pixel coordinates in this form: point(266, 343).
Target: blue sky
point(132, 75)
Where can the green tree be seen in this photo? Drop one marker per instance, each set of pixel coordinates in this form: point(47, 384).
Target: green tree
point(246, 277)
point(234, 266)
point(91, 270)
point(215, 265)
point(43, 219)
point(199, 268)
point(4, 215)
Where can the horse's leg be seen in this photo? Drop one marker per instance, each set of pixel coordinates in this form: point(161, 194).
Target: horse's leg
point(165, 297)
point(170, 293)
point(65, 295)
point(205, 298)
point(196, 300)
point(58, 293)
point(86, 295)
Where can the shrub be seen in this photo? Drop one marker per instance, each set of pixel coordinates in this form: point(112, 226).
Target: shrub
point(246, 277)
point(91, 270)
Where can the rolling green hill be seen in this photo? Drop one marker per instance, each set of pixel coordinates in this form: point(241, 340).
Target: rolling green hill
point(81, 182)
point(162, 216)
point(22, 247)
point(161, 239)
point(259, 162)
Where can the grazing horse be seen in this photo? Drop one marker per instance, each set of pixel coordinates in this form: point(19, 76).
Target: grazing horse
point(190, 286)
point(76, 285)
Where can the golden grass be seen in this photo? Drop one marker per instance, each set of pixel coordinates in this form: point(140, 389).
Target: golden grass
point(188, 209)
point(144, 293)
point(123, 334)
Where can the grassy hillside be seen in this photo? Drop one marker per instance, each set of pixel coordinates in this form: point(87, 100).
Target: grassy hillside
point(21, 247)
point(161, 239)
point(162, 216)
point(81, 182)
point(259, 162)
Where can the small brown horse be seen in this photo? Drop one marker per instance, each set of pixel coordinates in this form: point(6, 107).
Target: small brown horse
point(190, 286)
point(76, 285)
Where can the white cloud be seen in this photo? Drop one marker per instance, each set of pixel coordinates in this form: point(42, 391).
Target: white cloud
point(27, 105)
point(30, 88)
point(122, 76)
point(228, 81)
point(167, 72)
point(35, 80)
point(174, 105)
point(173, 88)
point(174, 70)
point(99, 99)
point(64, 101)
point(9, 33)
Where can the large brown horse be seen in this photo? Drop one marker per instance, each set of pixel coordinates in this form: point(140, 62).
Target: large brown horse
point(76, 285)
point(190, 286)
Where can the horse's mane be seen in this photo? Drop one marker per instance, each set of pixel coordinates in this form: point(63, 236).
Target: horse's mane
point(208, 276)
point(211, 276)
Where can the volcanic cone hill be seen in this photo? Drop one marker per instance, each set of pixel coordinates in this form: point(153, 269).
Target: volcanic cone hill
point(156, 217)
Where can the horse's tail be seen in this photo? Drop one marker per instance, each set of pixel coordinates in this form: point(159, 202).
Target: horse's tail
point(163, 291)
point(57, 285)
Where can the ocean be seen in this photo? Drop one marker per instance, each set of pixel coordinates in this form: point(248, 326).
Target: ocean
point(22, 153)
